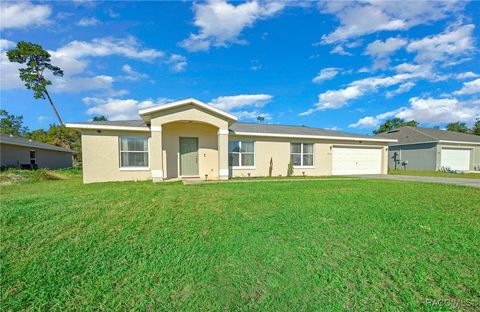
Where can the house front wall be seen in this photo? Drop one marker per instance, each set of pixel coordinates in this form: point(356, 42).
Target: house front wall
point(278, 150)
point(101, 157)
point(14, 156)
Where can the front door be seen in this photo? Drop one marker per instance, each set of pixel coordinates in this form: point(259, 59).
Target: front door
point(189, 156)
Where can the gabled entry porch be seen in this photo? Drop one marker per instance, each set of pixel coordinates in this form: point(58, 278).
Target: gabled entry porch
point(188, 139)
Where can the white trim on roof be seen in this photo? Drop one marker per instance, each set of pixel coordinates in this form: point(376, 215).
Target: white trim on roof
point(306, 136)
point(459, 142)
point(437, 141)
point(174, 104)
point(105, 127)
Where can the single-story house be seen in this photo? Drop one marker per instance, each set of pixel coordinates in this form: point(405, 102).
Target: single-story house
point(189, 138)
point(24, 153)
point(433, 149)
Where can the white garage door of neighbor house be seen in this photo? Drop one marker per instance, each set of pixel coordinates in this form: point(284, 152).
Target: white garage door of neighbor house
point(456, 159)
point(350, 161)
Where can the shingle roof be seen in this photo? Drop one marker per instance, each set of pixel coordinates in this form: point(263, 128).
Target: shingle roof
point(13, 140)
point(294, 130)
point(408, 134)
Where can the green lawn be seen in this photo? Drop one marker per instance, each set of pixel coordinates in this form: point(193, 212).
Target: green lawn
point(267, 246)
point(425, 173)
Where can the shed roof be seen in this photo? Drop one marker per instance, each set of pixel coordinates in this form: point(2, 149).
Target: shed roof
point(19, 141)
point(407, 134)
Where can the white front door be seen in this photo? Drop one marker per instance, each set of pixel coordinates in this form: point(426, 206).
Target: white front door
point(456, 159)
point(354, 160)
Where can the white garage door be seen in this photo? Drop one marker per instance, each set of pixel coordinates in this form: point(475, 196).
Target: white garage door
point(456, 159)
point(349, 161)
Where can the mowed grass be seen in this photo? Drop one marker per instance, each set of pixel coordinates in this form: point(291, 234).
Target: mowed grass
point(267, 246)
point(427, 173)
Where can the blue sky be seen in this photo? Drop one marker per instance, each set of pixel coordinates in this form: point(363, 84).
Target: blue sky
point(338, 65)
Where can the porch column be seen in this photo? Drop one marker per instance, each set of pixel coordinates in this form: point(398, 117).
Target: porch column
point(223, 154)
point(156, 154)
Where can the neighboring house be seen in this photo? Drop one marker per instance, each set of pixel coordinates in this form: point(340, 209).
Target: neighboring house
point(432, 149)
point(23, 153)
point(189, 138)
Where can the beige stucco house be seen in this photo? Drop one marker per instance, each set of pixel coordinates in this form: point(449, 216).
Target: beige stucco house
point(189, 138)
point(20, 152)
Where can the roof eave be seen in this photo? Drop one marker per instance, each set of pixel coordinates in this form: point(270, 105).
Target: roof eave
point(81, 126)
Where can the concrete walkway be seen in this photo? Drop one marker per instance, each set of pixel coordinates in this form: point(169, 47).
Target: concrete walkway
point(454, 181)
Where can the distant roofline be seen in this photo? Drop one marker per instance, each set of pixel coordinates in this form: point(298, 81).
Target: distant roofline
point(32, 144)
point(438, 141)
point(435, 139)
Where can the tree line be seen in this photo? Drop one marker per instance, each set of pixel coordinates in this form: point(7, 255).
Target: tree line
point(458, 126)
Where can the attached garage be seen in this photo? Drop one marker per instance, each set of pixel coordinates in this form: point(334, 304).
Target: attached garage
point(355, 160)
point(455, 158)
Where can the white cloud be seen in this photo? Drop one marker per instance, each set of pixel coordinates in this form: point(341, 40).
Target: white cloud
point(128, 47)
point(370, 122)
point(469, 87)
point(325, 74)
point(74, 58)
point(221, 23)
point(252, 115)
point(255, 65)
point(381, 50)
point(9, 71)
point(405, 87)
point(335, 99)
point(453, 43)
point(118, 109)
point(6, 44)
point(339, 49)
point(132, 74)
point(23, 14)
point(362, 18)
point(428, 111)
point(233, 102)
point(88, 21)
point(80, 84)
point(177, 62)
point(467, 75)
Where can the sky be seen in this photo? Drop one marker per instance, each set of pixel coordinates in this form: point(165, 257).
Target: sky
point(338, 65)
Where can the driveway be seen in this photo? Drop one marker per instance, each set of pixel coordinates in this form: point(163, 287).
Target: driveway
point(455, 181)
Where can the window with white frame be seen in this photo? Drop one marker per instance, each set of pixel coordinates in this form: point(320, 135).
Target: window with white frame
point(301, 154)
point(133, 152)
point(241, 153)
